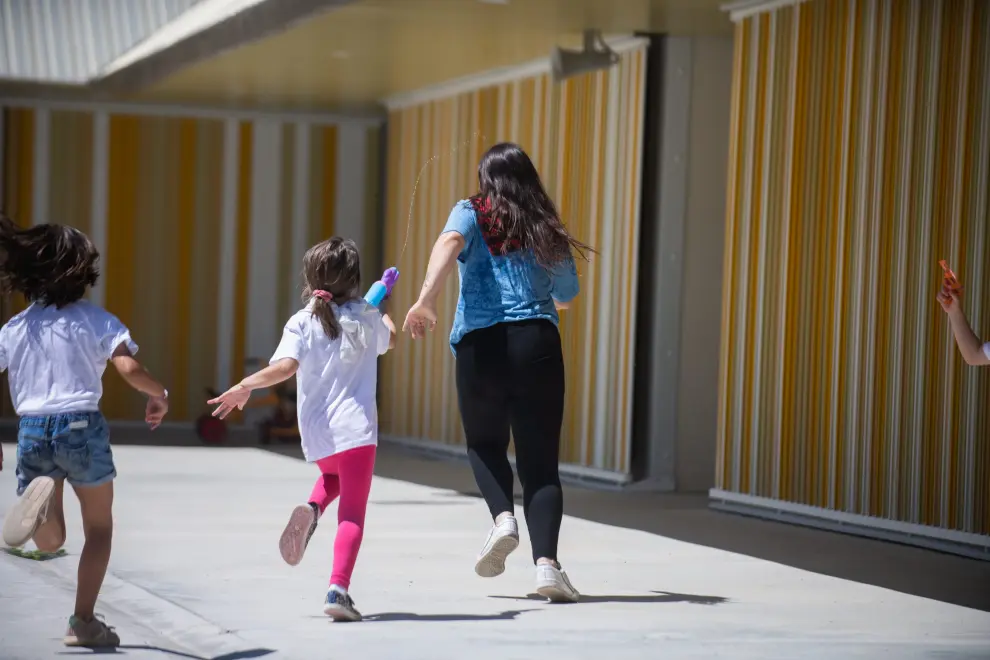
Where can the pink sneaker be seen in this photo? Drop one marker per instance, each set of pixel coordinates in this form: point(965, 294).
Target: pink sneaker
point(297, 533)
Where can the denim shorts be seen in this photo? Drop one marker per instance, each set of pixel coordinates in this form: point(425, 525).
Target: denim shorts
point(70, 446)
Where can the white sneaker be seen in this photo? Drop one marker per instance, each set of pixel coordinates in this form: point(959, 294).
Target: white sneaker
point(30, 511)
point(502, 540)
point(552, 584)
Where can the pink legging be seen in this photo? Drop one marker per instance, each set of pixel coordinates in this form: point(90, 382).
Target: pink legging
point(347, 474)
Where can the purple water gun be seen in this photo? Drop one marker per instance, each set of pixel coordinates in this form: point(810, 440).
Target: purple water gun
point(381, 289)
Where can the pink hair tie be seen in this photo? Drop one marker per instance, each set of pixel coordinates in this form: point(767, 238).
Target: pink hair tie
point(325, 296)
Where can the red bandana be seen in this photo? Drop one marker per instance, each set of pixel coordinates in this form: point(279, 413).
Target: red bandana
point(492, 229)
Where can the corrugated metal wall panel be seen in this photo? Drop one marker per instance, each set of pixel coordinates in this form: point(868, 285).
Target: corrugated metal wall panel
point(585, 137)
point(861, 158)
point(159, 189)
point(68, 41)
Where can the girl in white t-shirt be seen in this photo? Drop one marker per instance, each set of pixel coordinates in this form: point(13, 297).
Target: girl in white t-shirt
point(55, 353)
point(332, 347)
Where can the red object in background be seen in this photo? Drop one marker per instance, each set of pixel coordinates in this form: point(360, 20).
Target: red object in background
point(950, 280)
point(211, 430)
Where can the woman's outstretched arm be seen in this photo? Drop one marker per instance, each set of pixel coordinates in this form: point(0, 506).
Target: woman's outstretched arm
point(442, 260)
point(423, 315)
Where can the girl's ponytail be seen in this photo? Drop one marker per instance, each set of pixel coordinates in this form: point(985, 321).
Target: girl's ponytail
point(323, 310)
point(332, 272)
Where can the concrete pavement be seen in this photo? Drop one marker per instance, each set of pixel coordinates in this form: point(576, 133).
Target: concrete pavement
point(196, 573)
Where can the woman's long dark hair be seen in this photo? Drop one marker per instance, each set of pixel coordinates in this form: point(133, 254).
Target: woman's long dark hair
point(48, 264)
point(518, 212)
point(333, 266)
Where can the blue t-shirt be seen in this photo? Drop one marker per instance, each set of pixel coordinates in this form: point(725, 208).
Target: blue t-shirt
point(499, 288)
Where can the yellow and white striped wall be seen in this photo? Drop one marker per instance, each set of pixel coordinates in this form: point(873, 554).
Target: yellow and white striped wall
point(860, 157)
point(585, 136)
point(201, 219)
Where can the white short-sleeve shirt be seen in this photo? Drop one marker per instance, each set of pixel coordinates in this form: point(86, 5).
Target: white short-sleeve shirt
point(55, 358)
point(986, 349)
point(337, 379)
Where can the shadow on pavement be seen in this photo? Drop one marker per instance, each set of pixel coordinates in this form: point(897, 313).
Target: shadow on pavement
point(683, 517)
point(652, 597)
point(122, 650)
point(417, 502)
point(687, 518)
point(409, 616)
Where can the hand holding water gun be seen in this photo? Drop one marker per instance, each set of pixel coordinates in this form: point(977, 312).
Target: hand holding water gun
point(382, 289)
point(951, 291)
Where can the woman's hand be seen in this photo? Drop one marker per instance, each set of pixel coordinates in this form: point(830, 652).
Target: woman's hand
point(421, 317)
point(235, 397)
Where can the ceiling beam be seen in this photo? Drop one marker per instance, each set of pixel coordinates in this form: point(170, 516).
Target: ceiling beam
point(492, 77)
point(741, 9)
point(157, 57)
point(56, 97)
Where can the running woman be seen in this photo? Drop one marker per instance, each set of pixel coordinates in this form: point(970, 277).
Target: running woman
point(55, 353)
point(515, 259)
point(332, 347)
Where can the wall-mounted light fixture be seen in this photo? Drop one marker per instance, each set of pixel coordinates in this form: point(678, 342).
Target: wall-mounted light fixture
point(596, 55)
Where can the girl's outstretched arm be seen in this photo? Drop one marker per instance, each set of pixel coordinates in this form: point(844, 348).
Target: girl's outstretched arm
point(238, 395)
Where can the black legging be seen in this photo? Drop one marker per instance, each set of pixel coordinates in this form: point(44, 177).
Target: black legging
point(512, 375)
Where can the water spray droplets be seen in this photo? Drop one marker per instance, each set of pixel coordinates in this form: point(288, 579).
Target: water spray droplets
point(412, 197)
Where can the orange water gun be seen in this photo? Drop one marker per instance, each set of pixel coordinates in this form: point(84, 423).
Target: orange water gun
point(949, 280)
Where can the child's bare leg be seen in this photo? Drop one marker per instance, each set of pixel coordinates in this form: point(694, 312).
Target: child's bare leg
point(96, 503)
point(50, 535)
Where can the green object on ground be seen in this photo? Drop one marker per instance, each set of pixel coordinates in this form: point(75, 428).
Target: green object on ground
point(35, 555)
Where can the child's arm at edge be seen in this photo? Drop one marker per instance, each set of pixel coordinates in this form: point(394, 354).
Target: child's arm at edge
point(969, 344)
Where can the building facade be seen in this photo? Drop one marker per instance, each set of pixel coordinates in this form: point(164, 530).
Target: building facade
point(768, 196)
point(860, 157)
